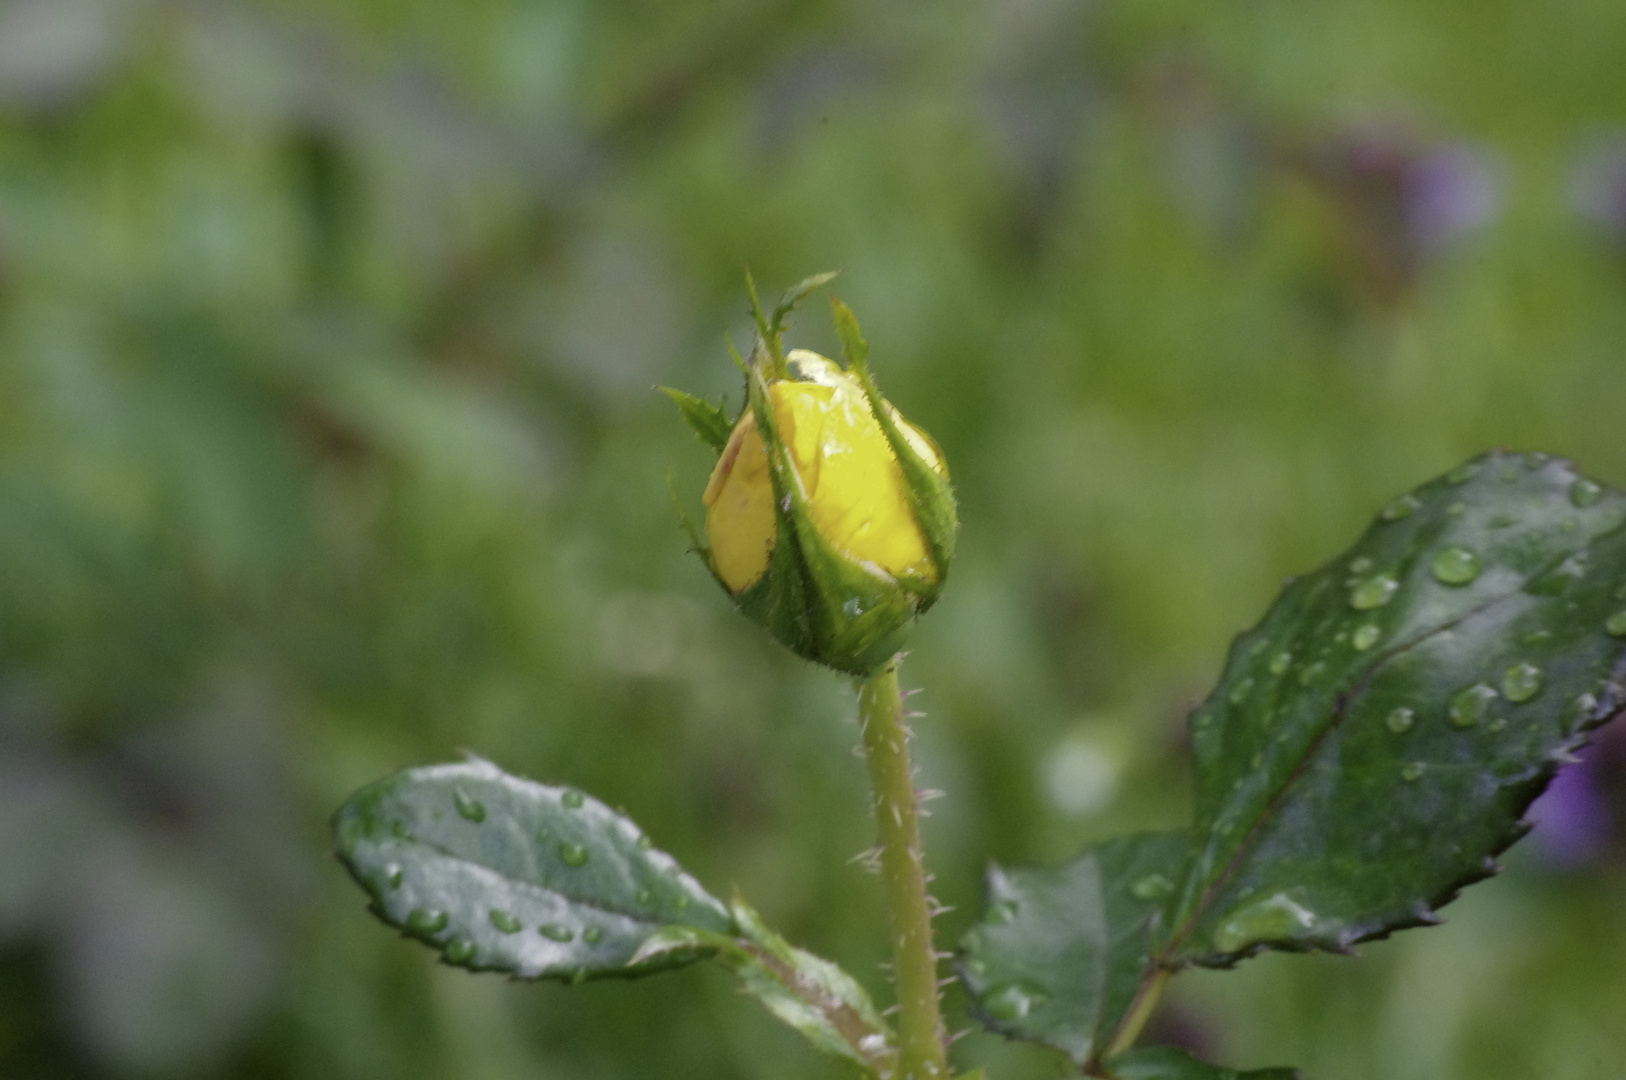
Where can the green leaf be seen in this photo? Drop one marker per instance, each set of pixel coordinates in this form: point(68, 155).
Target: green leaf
point(810, 994)
point(1169, 1063)
point(1374, 742)
point(796, 294)
point(1372, 745)
point(708, 421)
point(503, 874)
point(1058, 956)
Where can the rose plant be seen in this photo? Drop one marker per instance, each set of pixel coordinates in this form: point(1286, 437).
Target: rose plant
point(1372, 745)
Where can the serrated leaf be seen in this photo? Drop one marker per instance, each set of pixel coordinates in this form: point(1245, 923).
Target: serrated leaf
point(1374, 742)
point(708, 421)
point(503, 874)
point(1059, 954)
point(1170, 1063)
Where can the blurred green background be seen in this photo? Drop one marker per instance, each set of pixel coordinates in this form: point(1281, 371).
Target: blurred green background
point(328, 447)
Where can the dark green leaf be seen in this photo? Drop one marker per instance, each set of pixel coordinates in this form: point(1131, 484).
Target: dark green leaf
point(1375, 740)
point(502, 874)
point(1059, 955)
point(1169, 1063)
point(796, 294)
point(708, 421)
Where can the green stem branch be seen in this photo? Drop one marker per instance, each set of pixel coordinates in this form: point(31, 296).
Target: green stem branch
point(914, 958)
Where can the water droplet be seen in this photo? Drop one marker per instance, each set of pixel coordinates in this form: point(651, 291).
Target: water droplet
point(573, 854)
point(426, 921)
point(578, 977)
point(555, 932)
point(645, 898)
point(1410, 771)
point(400, 831)
point(1584, 492)
point(1400, 720)
point(1468, 705)
point(976, 968)
point(645, 843)
point(572, 798)
point(1456, 566)
point(1280, 662)
point(1463, 473)
point(392, 875)
point(1365, 637)
point(1002, 912)
point(468, 806)
point(458, 951)
point(1261, 645)
point(1374, 592)
point(1239, 693)
point(1013, 1001)
point(1360, 565)
point(1274, 919)
point(1615, 625)
point(592, 935)
point(1536, 637)
point(1535, 459)
point(1509, 475)
point(1311, 673)
point(1521, 682)
point(1257, 761)
point(1403, 507)
point(1503, 521)
point(681, 903)
point(1151, 887)
point(505, 922)
point(1499, 724)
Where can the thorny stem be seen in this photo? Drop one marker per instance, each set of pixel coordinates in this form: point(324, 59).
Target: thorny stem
point(914, 959)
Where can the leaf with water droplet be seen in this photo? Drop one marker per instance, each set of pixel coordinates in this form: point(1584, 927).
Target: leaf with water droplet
point(1355, 827)
point(482, 886)
point(1170, 1063)
point(1059, 954)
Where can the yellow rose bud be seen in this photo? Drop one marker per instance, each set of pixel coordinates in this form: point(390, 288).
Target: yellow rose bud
point(829, 518)
point(854, 488)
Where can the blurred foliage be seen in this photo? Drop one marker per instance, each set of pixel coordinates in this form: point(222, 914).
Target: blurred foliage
point(327, 446)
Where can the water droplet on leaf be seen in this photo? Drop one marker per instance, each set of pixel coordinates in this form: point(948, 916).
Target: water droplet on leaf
point(1275, 919)
point(1463, 473)
point(592, 935)
point(645, 843)
point(1410, 771)
point(1013, 1001)
point(468, 806)
point(555, 932)
point(1521, 682)
point(1365, 637)
point(1280, 662)
point(1468, 705)
point(392, 875)
point(1403, 507)
point(1374, 592)
point(572, 799)
point(573, 854)
point(1311, 673)
point(1456, 566)
point(1360, 565)
point(504, 921)
point(644, 897)
point(1584, 492)
point(1400, 720)
point(425, 921)
point(1151, 887)
point(1615, 625)
point(458, 951)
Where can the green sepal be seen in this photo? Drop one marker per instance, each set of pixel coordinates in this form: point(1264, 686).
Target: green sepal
point(929, 492)
point(1171, 1063)
point(708, 421)
point(852, 616)
point(497, 873)
point(768, 354)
